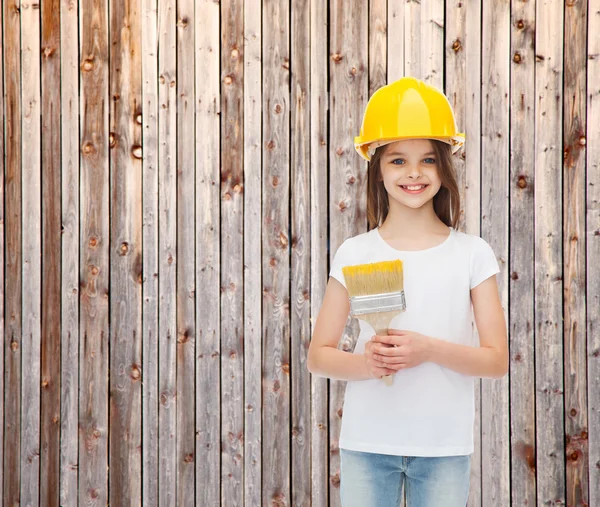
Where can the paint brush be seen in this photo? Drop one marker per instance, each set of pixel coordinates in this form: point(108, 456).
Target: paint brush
point(376, 293)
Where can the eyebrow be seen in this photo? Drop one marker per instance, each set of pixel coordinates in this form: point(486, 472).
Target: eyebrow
point(401, 153)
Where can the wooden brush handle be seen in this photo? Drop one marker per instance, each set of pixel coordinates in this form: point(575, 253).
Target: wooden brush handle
point(381, 322)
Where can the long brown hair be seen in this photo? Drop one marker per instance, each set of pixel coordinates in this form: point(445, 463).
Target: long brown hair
point(446, 202)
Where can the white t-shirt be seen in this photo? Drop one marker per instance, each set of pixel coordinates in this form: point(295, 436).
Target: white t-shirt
point(429, 409)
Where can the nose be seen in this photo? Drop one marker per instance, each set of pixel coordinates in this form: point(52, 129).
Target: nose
point(414, 172)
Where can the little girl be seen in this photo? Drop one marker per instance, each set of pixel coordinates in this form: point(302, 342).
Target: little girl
point(418, 432)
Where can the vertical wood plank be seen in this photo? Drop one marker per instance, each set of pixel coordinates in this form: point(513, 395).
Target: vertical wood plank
point(548, 253)
point(252, 192)
point(2, 256)
point(32, 251)
point(396, 41)
point(276, 248)
point(574, 272)
point(432, 42)
point(300, 252)
point(377, 44)
point(319, 107)
point(593, 249)
point(412, 39)
point(94, 255)
point(51, 238)
point(150, 253)
point(232, 240)
point(208, 394)
point(125, 479)
point(13, 243)
point(521, 263)
point(186, 285)
point(69, 273)
point(463, 89)
point(348, 173)
point(168, 260)
point(494, 228)
point(252, 165)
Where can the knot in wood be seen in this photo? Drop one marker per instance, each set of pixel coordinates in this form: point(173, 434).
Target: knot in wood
point(456, 46)
point(138, 119)
point(582, 141)
point(87, 65)
point(93, 243)
point(522, 182)
point(336, 57)
point(514, 275)
point(517, 58)
point(520, 24)
point(339, 152)
point(45, 382)
point(48, 52)
point(88, 148)
point(235, 53)
point(573, 412)
point(124, 248)
point(112, 140)
point(277, 108)
point(189, 458)
point(135, 372)
point(228, 80)
point(94, 270)
point(136, 151)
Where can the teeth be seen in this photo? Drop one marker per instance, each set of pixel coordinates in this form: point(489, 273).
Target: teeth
point(414, 187)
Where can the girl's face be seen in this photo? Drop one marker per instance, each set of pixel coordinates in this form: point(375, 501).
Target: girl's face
point(409, 169)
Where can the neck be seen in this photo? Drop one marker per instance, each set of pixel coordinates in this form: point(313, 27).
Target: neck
point(411, 221)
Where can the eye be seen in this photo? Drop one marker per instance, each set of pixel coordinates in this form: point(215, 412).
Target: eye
point(431, 160)
point(398, 160)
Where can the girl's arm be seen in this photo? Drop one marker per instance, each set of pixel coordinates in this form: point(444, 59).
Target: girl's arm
point(324, 358)
point(489, 360)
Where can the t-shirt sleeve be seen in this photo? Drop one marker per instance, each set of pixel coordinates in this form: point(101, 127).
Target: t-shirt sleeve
point(340, 259)
point(483, 262)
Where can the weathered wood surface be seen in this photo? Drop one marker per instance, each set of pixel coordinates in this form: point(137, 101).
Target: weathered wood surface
point(186, 325)
point(94, 255)
point(574, 251)
point(319, 150)
point(199, 157)
point(495, 463)
point(521, 257)
point(592, 189)
point(252, 190)
point(548, 254)
point(51, 244)
point(276, 449)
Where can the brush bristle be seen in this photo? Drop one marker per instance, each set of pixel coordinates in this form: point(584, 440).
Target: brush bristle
point(375, 278)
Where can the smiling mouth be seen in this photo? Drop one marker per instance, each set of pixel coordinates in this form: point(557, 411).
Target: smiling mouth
point(413, 189)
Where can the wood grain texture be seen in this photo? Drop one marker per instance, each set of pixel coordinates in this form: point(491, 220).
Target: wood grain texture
point(253, 149)
point(574, 252)
point(150, 253)
point(319, 107)
point(2, 257)
point(94, 257)
point(32, 254)
point(593, 250)
point(168, 259)
point(548, 254)
point(396, 41)
point(125, 479)
point(275, 254)
point(521, 262)
point(51, 242)
point(300, 252)
point(495, 437)
point(232, 246)
point(348, 71)
point(186, 283)
point(377, 44)
point(69, 273)
point(13, 251)
point(209, 317)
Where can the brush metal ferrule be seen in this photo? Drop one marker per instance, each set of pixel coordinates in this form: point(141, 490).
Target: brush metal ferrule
point(376, 303)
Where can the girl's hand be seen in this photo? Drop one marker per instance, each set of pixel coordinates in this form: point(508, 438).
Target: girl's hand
point(376, 368)
point(401, 349)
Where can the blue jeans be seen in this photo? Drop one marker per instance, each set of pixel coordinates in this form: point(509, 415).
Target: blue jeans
point(376, 480)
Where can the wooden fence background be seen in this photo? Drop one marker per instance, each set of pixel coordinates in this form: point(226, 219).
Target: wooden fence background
point(178, 173)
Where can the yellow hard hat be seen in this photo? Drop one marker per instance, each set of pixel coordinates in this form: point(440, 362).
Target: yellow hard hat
point(407, 109)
